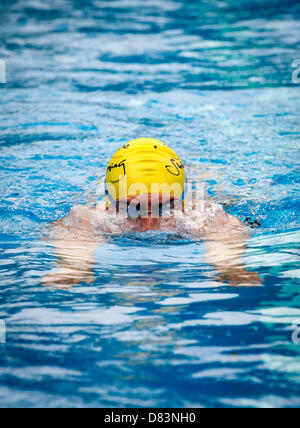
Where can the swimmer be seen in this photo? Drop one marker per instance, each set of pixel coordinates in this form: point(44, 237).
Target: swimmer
point(146, 190)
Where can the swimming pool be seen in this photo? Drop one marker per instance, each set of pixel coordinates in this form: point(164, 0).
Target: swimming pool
point(154, 327)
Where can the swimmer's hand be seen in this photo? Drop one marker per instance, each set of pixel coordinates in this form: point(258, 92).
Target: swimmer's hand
point(75, 263)
point(227, 258)
point(66, 278)
point(240, 277)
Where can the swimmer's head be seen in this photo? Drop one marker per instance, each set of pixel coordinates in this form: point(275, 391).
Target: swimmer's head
point(144, 167)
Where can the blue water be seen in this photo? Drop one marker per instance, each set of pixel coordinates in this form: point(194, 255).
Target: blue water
point(151, 324)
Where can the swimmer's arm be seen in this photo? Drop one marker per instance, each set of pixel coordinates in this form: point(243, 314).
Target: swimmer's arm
point(75, 263)
point(225, 249)
point(74, 252)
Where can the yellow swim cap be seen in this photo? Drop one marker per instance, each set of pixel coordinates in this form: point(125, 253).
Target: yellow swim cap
point(144, 166)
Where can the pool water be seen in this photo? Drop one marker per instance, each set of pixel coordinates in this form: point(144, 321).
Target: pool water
point(152, 324)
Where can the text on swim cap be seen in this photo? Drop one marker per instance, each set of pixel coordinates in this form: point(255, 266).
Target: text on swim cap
point(175, 168)
point(118, 165)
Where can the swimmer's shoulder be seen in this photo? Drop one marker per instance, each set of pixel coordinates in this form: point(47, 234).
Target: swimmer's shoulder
point(100, 207)
point(84, 211)
point(217, 221)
